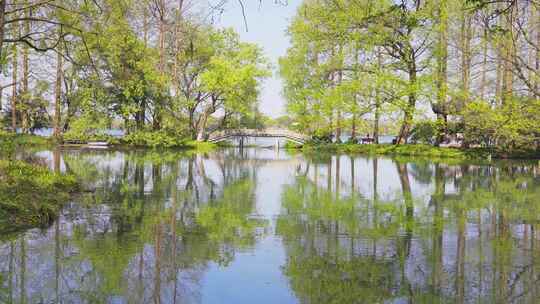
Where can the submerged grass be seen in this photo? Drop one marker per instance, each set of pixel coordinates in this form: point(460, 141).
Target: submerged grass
point(31, 195)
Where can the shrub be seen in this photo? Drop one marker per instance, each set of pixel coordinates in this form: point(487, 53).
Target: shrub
point(153, 139)
point(425, 132)
point(514, 124)
point(86, 128)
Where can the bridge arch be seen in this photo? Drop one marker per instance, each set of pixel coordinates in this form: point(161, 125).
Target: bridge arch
point(276, 133)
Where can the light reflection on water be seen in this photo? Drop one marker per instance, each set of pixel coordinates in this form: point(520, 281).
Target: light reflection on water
point(264, 226)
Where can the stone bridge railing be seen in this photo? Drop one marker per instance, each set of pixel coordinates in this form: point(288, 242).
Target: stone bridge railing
point(278, 133)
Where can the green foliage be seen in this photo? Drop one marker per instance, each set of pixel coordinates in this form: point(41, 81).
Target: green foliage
point(10, 142)
point(31, 195)
point(401, 150)
point(153, 139)
point(89, 126)
point(220, 74)
point(121, 76)
point(162, 139)
point(425, 132)
point(382, 59)
point(349, 59)
point(513, 125)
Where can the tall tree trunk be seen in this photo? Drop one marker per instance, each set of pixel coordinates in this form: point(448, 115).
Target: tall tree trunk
point(466, 36)
point(145, 24)
point(531, 73)
point(2, 28)
point(338, 114)
point(338, 79)
point(141, 115)
point(406, 127)
point(465, 45)
point(509, 53)
point(338, 126)
point(201, 125)
point(483, 77)
point(353, 127)
point(498, 46)
point(376, 122)
point(58, 89)
point(15, 63)
point(378, 103)
point(192, 126)
point(442, 67)
point(201, 129)
point(26, 75)
point(177, 43)
point(536, 19)
point(498, 77)
point(353, 178)
point(158, 103)
point(338, 176)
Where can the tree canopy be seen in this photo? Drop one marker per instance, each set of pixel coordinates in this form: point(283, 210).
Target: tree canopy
point(354, 63)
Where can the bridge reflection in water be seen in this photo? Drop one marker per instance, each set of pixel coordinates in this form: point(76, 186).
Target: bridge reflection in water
point(255, 225)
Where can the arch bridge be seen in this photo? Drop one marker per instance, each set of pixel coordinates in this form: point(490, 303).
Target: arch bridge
point(276, 133)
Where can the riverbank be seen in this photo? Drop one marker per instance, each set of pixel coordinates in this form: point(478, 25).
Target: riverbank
point(31, 195)
point(156, 140)
point(10, 141)
point(151, 140)
point(144, 139)
point(419, 150)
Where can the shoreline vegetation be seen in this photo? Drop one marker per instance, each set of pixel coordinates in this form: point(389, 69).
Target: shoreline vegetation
point(31, 195)
point(418, 150)
point(151, 140)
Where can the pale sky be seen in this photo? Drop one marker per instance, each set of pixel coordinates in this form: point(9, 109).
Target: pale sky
point(267, 23)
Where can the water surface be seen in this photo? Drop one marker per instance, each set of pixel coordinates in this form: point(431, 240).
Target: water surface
point(263, 226)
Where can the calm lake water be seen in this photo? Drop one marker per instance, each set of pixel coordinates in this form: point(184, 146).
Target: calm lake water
point(263, 226)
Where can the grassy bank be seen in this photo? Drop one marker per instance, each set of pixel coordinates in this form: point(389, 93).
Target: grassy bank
point(31, 195)
point(10, 141)
point(184, 144)
point(142, 139)
point(420, 150)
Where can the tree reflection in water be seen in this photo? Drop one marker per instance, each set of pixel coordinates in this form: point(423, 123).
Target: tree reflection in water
point(471, 240)
point(151, 226)
point(145, 231)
